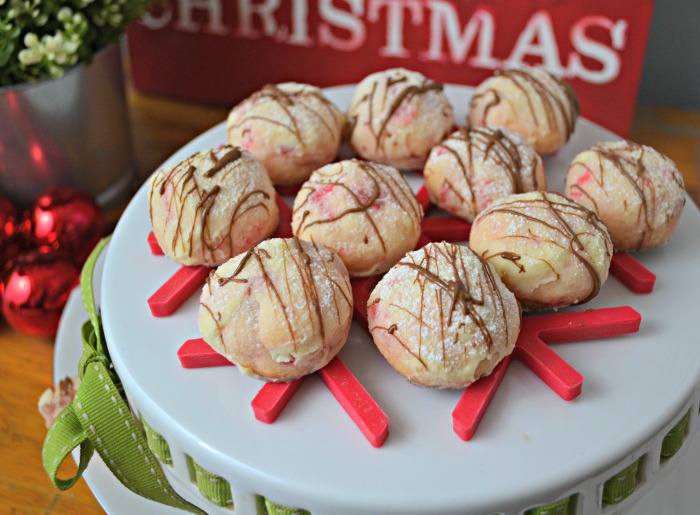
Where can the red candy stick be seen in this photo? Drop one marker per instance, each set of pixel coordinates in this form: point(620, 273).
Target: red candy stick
point(154, 245)
point(284, 229)
point(272, 399)
point(361, 289)
point(423, 241)
point(423, 198)
point(197, 353)
point(549, 367)
point(581, 325)
point(441, 228)
point(536, 354)
point(476, 399)
point(352, 396)
point(630, 272)
point(176, 290)
point(288, 190)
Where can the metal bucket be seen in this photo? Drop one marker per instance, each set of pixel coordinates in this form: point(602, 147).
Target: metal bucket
point(72, 131)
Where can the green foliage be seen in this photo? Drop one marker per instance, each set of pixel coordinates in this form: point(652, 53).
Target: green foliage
point(41, 39)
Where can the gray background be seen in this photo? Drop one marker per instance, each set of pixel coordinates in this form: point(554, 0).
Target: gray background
point(671, 75)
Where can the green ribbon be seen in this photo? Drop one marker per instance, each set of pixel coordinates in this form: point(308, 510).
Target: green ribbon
point(100, 419)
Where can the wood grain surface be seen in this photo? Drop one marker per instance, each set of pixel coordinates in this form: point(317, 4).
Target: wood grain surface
point(160, 126)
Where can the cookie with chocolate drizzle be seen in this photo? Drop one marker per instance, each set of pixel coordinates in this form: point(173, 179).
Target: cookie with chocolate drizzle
point(636, 191)
point(549, 250)
point(442, 317)
point(396, 116)
point(473, 167)
point(211, 206)
point(364, 211)
point(292, 128)
point(535, 103)
point(279, 311)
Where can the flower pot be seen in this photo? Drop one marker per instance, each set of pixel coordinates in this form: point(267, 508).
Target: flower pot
point(72, 131)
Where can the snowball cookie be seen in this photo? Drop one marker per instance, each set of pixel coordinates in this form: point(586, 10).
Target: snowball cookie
point(279, 311)
point(366, 212)
point(534, 103)
point(211, 206)
point(442, 317)
point(636, 191)
point(396, 116)
point(474, 167)
point(550, 251)
point(292, 128)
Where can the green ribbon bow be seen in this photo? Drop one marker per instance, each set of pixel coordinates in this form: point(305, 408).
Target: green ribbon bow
point(99, 418)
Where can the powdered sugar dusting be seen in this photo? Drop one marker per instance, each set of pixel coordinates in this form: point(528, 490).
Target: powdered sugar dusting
point(212, 206)
point(442, 317)
point(281, 310)
point(364, 211)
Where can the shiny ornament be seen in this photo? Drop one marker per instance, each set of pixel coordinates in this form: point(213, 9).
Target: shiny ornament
point(11, 238)
point(68, 220)
point(35, 287)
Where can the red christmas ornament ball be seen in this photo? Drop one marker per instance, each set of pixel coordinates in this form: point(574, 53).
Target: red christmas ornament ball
point(11, 237)
point(68, 220)
point(35, 288)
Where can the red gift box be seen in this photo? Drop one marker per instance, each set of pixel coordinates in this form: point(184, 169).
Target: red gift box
point(219, 52)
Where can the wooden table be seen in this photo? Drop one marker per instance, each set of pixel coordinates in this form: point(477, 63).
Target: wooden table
point(160, 127)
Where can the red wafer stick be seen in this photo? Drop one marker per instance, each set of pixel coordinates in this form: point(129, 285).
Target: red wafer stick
point(359, 404)
point(284, 229)
point(288, 190)
point(423, 198)
point(154, 245)
point(630, 272)
point(196, 353)
point(176, 290)
point(536, 354)
point(549, 367)
point(476, 398)
point(361, 289)
point(423, 241)
point(442, 228)
point(581, 325)
point(568, 327)
point(272, 399)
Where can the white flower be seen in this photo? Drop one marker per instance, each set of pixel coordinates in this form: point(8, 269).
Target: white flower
point(52, 44)
point(31, 40)
point(28, 56)
point(65, 14)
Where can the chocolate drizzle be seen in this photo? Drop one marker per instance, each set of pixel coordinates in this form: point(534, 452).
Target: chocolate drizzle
point(394, 99)
point(292, 103)
point(380, 182)
point(555, 210)
point(229, 157)
point(186, 181)
point(556, 96)
point(303, 268)
point(633, 170)
point(487, 144)
point(454, 293)
point(513, 258)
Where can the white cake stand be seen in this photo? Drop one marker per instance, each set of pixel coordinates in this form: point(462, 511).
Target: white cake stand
point(531, 449)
